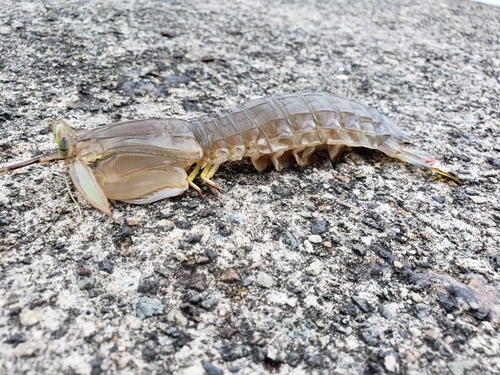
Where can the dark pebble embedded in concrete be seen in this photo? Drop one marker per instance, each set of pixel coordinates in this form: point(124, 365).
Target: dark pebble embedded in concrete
point(166, 215)
point(315, 360)
point(212, 255)
point(281, 191)
point(369, 334)
point(106, 266)
point(207, 58)
point(289, 241)
point(362, 303)
point(194, 239)
point(319, 227)
point(149, 354)
point(148, 287)
point(182, 224)
point(84, 271)
point(172, 332)
point(229, 275)
point(124, 232)
point(169, 33)
point(481, 314)
point(340, 328)
point(257, 354)
point(295, 289)
point(471, 192)
point(211, 369)
point(384, 312)
point(233, 352)
point(447, 301)
point(15, 339)
point(197, 282)
point(227, 332)
point(359, 249)
point(293, 359)
point(349, 309)
point(194, 299)
point(438, 199)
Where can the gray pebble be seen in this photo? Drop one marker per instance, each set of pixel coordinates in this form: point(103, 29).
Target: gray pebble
point(422, 310)
point(289, 240)
point(382, 310)
point(306, 214)
point(144, 307)
point(193, 204)
point(98, 338)
point(194, 299)
point(131, 282)
point(209, 303)
point(340, 328)
point(327, 197)
point(264, 280)
point(176, 317)
point(314, 361)
point(459, 367)
point(468, 117)
point(438, 199)
point(314, 268)
point(162, 270)
point(477, 199)
point(86, 283)
point(234, 217)
point(315, 238)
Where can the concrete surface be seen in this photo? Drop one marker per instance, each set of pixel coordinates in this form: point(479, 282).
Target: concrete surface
point(366, 266)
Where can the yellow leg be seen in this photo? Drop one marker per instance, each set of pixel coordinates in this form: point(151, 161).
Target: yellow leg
point(195, 172)
point(192, 176)
point(207, 173)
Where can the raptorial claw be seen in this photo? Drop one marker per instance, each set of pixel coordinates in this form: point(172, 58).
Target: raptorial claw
point(86, 183)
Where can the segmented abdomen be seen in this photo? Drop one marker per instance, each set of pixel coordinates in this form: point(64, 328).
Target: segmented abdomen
point(294, 123)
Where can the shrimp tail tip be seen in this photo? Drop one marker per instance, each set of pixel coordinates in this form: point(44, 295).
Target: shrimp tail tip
point(448, 175)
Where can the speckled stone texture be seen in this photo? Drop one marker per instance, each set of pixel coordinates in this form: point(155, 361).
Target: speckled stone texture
point(367, 265)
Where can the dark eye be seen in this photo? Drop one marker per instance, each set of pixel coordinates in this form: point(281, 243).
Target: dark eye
point(63, 146)
point(63, 143)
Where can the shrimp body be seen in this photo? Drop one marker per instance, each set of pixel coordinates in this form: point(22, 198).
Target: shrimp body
point(286, 129)
point(142, 161)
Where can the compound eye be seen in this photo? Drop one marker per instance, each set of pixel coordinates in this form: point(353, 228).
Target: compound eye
point(63, 146)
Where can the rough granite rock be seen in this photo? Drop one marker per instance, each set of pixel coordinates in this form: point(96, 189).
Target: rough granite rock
point(406, 276)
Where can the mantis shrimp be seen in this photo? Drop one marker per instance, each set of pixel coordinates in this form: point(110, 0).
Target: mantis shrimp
point(142, 161)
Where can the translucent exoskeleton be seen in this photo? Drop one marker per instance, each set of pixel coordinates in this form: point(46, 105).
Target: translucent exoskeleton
point(143, 161)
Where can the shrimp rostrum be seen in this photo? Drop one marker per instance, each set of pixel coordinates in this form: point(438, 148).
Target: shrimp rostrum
point(142, 161)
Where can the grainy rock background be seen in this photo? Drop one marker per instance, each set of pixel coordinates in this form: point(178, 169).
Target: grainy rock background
point(365, 266)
